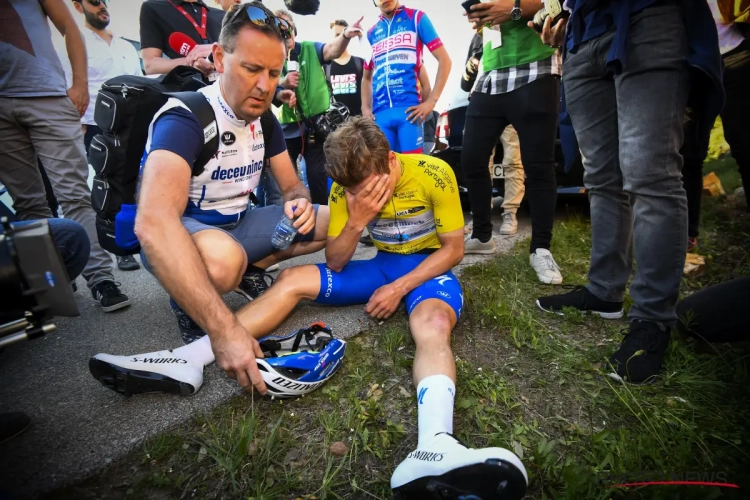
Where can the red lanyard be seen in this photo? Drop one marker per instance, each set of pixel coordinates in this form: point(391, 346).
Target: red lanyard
point(200, 29)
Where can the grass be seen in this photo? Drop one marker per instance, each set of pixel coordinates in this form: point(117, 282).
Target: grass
point(532, 383)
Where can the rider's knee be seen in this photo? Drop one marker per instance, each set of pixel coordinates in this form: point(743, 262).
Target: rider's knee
point(225, 262)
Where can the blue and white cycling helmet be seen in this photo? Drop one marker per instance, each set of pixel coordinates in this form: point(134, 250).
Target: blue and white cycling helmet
point(299, 363)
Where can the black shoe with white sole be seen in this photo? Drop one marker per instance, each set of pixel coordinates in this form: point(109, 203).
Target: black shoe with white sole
point(108, 294)
point(127, 263)
point(445, 469)
point(189, 329)
point(144, 373)
point(583, 300)
point(640, 356)
point(253, 285)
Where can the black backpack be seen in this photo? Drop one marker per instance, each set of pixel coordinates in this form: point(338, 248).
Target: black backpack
point(125, 107)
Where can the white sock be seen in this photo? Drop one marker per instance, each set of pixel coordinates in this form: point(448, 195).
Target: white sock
point(434, 406)
point(198, 352)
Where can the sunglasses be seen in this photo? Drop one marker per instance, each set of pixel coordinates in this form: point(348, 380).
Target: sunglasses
point(97, 3)
point(261, 18)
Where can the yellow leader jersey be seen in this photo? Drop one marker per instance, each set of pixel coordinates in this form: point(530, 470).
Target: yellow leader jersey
point(424, 203)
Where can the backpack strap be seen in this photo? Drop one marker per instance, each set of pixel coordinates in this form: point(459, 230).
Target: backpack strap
point(266, 125)
point(201, 108)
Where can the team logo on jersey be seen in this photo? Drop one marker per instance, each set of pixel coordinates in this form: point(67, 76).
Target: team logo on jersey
point(228, 138)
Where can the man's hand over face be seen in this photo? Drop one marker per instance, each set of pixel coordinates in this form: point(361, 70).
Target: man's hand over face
point(365, 205)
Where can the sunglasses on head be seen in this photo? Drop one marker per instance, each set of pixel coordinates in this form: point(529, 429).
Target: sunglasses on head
point(97, 3)
point(262, 18)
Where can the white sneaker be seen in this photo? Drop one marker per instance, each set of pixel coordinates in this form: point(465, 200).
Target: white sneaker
point(446, 469)
point(152, 372)
point(545, 266)
point(510, 224)
point(473, 245)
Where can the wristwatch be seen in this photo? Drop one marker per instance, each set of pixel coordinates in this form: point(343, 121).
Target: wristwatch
point(516, 13)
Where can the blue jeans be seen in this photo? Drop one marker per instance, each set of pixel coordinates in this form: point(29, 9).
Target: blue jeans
point(72, 242)
point(629, 128)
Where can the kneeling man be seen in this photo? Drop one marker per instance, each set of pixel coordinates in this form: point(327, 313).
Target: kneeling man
point(410, 205)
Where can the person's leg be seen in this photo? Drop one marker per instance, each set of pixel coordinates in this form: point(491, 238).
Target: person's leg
point(18, 168)
point(54, 205)
point(692, 174)
point(73, 244)
point(717, 313)
point(736, 113)
point(513, 169)
point(317, 178)
point(56, 133)
point(534, 116)
point(485, 121)
point(384, 120)
point(410, 135)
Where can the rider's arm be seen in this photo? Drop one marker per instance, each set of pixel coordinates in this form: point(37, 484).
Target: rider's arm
point(428, 35)
point(172, 255)
point(343, 236)
point(367, 89)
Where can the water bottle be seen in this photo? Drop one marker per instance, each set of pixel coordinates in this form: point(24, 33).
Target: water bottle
point(302, 170)
point(125, 227)
point(284, 233)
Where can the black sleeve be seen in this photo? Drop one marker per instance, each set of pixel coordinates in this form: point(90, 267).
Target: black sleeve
point(151, 37)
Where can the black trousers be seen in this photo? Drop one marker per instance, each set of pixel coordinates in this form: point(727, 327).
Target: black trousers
point(315, 160)
point(532, 110)
point(717, 313)
point(735, 118)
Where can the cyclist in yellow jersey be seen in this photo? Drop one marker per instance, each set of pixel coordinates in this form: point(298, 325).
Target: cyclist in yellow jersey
point(410, 205)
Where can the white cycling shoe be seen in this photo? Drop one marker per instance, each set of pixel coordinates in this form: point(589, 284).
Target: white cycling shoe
point(159, 371)
point(446, 469)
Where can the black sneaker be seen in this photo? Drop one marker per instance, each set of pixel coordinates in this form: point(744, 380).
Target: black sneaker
point(189, 329)
point(253, 285)
point(641, 353)
point(12, 424)
point(108, 294)
point(583, 300)
point(128, 263)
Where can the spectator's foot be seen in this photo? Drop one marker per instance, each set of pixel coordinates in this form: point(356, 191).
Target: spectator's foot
point(581, 299)
point(509, 225)
point(366, 240)
point(108, 294)
point(476, 246)
point(127, 263)
point(12, 424)
point(641, 353)
point(272, 268)
point(446, 469)
point(189, 329)
point(253, 285)
point(547, 270)
point(692, 244)
point(142, 373)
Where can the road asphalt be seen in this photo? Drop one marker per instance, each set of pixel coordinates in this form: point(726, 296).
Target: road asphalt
point(79, 427)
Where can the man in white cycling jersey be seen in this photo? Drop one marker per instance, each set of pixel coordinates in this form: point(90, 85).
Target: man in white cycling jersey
point(198, 236)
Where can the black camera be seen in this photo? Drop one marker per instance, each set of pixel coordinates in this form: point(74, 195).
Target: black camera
point(553, 9)
point(34, 284)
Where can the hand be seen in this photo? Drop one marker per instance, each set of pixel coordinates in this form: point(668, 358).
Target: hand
point(304, 212)
point(79, 95)
point(235, 353)
point(204, 66)
point(367, 113)
point(490, 13)
point(365, 205)
point(291, 80)
point(384, 301)
point(355, 28)
point(554, 36)
point(288, 97)
point(199, 52)
point(420, 113)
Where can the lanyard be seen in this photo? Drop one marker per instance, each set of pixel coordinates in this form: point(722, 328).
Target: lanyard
point(200, 29)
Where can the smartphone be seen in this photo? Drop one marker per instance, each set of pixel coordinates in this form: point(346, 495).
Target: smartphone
point(468, 3)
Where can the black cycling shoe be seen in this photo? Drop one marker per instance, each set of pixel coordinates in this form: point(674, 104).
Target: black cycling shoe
point(108, 294)
point(639, 358)
point(189, 329)
point(583, 300)
point(254, 284)
point(127, 263)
